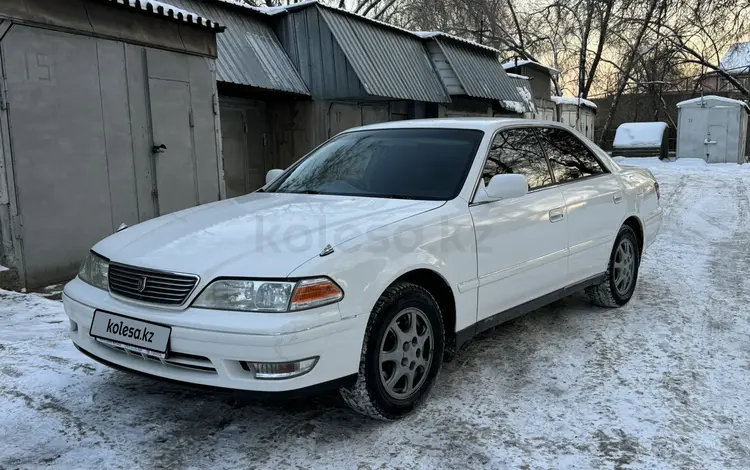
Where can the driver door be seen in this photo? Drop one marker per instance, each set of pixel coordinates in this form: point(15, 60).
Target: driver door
point(521, 242)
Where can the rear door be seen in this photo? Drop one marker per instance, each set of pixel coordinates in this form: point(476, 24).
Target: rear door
point(521, 242)
point(594, 202)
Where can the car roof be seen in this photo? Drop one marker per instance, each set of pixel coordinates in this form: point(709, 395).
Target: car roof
point(479, 123)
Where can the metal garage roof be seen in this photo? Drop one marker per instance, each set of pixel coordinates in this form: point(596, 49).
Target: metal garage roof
point(388, 61)
point(163, 9)
point(524, 91)
point(249, 51)
point(478, 69)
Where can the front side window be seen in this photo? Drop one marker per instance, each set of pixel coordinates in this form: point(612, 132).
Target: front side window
point(569, 158)
point(517, 151)
point(426, 164)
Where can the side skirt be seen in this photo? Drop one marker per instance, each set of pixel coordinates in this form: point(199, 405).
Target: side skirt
point(463, 336)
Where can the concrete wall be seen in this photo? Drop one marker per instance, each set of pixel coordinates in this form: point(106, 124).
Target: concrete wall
point(82, 116)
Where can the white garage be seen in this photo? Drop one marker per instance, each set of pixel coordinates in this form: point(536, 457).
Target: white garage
point(713, 128)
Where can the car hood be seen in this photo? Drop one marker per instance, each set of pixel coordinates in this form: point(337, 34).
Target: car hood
point(260, 234)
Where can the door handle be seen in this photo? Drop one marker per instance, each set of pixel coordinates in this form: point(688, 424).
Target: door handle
point(556, 215)
point(617, 197)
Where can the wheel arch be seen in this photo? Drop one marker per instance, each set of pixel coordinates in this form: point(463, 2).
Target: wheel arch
point(441, 290)
point(637, 225)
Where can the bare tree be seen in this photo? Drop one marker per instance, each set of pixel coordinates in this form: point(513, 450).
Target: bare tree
point(630, 60)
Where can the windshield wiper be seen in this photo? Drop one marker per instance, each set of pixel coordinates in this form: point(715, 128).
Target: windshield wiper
point(306, 191)
point(390, 196)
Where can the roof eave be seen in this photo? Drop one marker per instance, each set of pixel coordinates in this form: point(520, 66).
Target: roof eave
point(147, 8)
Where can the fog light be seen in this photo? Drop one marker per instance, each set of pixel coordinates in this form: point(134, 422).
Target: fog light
point(280, 370)
point(73, 326)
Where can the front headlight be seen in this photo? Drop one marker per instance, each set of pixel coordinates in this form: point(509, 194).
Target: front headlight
point(95, 271)
point(268, 296)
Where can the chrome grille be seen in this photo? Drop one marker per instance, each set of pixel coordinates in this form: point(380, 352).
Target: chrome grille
point(150, 286)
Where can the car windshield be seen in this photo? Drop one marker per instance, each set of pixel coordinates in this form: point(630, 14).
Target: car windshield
point(397, 163)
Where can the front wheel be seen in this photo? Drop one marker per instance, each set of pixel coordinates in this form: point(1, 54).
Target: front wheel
point(622, 272)
point(401, 355)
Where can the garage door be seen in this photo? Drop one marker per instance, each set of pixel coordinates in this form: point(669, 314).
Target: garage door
point(343, 116)
point(59, 148)
point(84, 115)
point(243, 136)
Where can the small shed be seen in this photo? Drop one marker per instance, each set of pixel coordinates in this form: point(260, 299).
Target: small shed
point(578, 113)
point(642, 139)
point(713, 128)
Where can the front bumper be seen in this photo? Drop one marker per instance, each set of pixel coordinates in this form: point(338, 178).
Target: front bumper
point(206, 355)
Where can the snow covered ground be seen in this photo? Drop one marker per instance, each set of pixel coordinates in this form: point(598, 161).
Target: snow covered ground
point(660, 383)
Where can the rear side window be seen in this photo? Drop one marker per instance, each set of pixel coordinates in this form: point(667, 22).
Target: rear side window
point(517, 151)
point(569, 158)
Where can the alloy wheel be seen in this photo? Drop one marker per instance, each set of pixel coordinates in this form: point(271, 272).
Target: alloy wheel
point(406, 353)
point(624, 272)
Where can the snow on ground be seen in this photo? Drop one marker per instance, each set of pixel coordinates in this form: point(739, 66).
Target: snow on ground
point(661, 383)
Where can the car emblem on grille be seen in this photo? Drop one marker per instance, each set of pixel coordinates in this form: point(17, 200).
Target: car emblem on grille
point(142, 284)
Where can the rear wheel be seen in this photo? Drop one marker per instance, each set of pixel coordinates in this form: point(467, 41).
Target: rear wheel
point(401, 355)
point(622, 272)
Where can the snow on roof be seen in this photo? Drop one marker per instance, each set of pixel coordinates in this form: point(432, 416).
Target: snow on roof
point(573, 101)
point(515, 75)
point(279, 9)
point(723, 99)
point(515, 106)
point(639, 134)
point(737, 58)
point(435, 34)
point(272, 11)
point(164, 9)
point(511, 64)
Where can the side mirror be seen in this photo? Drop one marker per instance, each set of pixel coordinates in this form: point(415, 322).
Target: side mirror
point(272, 175)
point(506, 187)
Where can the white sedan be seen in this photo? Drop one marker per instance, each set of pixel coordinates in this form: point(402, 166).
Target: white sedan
point(368, 262)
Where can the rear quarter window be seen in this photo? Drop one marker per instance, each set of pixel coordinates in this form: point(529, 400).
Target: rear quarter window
point(569, 158)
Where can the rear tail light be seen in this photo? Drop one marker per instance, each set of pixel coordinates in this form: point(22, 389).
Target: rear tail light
point(658, 193)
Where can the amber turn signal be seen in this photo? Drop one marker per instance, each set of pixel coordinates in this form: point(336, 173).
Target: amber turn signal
point(311, 293)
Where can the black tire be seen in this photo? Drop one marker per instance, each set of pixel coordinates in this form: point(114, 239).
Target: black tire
point(368, 395)
point(607, 294)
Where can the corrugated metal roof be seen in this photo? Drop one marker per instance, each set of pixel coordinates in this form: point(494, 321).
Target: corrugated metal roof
point(249, 51)
point(435, 34)
point(162, 9)
point(478, 70)
point(389, 63)
point(516, 63)
point(523, 87)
